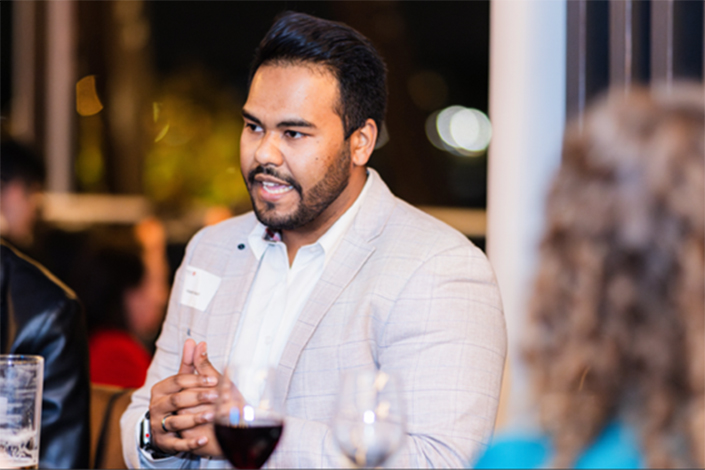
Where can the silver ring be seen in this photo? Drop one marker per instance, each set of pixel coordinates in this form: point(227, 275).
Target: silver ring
point(163, 425)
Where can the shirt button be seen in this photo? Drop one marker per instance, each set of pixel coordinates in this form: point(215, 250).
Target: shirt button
point(268, 340)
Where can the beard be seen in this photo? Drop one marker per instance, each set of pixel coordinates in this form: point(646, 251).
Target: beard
point(312, 202)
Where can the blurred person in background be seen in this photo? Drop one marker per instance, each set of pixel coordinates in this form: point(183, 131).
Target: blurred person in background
point(153, 293)
point(616, 330)
point(124, 297)
point(40, 315)
point(22, 176)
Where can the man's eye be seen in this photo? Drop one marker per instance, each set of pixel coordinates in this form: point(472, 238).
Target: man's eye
point(293, 134)
point(253, 127)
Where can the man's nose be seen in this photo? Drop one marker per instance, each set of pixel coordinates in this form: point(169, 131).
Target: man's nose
point(268, 151)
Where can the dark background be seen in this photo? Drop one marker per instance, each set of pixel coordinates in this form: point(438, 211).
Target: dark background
point(450, 39)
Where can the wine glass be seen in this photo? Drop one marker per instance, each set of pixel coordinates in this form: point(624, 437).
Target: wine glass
point(248, 420)
point(369, 425)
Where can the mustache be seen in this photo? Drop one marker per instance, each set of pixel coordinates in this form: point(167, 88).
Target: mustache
point(266, 170)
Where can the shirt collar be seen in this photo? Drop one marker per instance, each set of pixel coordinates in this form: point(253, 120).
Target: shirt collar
point(262, 237)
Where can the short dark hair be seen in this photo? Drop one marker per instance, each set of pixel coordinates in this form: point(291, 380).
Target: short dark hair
point(20, 162)
point(350, 56)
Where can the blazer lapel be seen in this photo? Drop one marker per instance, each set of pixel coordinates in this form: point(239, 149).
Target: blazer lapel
point(349, 258)
point(229, 303)
point(322, 298)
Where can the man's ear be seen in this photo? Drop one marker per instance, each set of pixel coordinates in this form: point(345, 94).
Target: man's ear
point(362, 142)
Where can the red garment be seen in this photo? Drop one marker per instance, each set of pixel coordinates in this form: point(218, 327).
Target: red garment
point(117, 359)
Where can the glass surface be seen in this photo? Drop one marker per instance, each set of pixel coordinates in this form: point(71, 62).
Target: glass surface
point(369, 425)
point(21, 380)
point(249, 421)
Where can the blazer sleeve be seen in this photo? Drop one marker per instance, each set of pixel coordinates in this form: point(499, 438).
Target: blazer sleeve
point(445, 338)
point(165, 363)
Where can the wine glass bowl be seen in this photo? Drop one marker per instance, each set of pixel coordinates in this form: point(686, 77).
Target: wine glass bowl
point(369, 425)
point(248, 420)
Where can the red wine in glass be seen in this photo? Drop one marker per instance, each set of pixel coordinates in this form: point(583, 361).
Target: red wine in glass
point(248, 419)
point(249, 446)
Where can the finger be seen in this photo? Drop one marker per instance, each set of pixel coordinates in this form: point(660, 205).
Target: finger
point(172, 443)
point(186, 399)
point(202, 364)
point(212, 448)
point(187, 357)
point(197, 409)
point(183, 422)
point(178, 383)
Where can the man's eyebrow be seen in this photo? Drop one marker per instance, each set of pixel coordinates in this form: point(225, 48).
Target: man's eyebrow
point(296, 123)
point(289, 123)
point(250, 117)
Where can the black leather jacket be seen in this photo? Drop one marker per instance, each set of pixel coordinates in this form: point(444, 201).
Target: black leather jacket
point(39, 315)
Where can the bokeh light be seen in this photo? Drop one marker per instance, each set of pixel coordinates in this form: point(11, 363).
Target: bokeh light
point(87, 101)
point(459, 130)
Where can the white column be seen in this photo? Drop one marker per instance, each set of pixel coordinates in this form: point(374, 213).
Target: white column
point(527, 109)
point(23, 81)
point(60, 94)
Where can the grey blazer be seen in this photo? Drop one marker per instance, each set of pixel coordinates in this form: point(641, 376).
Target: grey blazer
point(403, 293)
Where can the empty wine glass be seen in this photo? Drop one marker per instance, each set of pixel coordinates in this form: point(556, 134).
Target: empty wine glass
point(369, 425)
point(248, 420)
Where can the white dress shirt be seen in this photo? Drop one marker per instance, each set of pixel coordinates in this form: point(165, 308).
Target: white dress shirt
point(276, 298)
point(279, 291)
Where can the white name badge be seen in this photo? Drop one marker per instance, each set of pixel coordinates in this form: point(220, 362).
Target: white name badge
point(199, 288)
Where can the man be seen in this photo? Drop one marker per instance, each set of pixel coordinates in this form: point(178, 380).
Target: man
point(330, 273)
point(39, 315)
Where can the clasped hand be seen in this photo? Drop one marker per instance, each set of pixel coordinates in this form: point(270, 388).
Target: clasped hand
point(184, 405)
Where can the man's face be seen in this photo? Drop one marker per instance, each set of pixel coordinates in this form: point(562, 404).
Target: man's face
point(293, 154)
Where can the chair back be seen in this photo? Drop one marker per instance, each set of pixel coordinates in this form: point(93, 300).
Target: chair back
point(107, 406)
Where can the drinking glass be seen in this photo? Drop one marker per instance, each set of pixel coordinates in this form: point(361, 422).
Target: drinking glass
point(248, 418)
point(21, 381)
point(369, 425)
